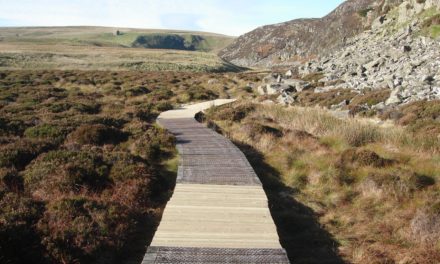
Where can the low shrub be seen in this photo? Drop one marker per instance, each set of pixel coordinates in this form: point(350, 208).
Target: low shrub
point(11, 127)
point(163, 106)
point(20, 153)
point(136, 91)
point(59, 107)
point(127, 167)
point(66, 172)
point(399, 182)
point(255, 130)
point(84, 230)
point(97, 134)
point(87, 108)
point(11, 180)
point(409, 114)
point(19, 241)
point(199, 93)
point(135, 193)
point(161, 94)
point(46, 131)
point(325, 99)
point(144, 112)
point(363, 157)
point(370, 98)
point(152, 144)
point(234, 113)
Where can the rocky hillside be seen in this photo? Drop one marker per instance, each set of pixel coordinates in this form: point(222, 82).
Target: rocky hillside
point(296, 40)
point(398, 57)
point(401, 52)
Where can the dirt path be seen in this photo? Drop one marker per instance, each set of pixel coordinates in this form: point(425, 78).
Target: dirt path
point(219, 211)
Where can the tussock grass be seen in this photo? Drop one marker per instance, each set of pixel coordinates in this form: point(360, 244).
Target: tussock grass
point(373, 188)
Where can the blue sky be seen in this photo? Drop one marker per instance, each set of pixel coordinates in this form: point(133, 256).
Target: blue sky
point(231, 17)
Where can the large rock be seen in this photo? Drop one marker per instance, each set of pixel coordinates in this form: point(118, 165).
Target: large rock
point(285, 99)
point(395, 97)
point(299, 85)
point(275, 88)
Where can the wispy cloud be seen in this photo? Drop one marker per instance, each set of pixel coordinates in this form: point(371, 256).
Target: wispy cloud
point(232, 17)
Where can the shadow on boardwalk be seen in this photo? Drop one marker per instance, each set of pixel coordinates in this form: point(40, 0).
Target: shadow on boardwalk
point(298, 228)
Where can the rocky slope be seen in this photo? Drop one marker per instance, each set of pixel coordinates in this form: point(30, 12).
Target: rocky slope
point(296, 40)
point(400, 52)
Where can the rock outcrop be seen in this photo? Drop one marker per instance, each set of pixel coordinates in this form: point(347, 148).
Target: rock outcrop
point(394, 54)
point(290, 42)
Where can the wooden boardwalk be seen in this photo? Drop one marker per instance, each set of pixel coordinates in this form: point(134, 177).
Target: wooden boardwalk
point(219, 211)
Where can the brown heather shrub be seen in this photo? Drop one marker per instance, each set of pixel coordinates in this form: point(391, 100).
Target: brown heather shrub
point(83, 230)
point(133, 193)
point(234, 113)
point(197, 93)
point(152, 144)
point(87, 108)
point(11, 127)
point(363, 157)
point(254, 129)
point(66, 172)
point(19, 241)
point(418, 116)
point(324, 99)
point(96, 135)
point(127, 167)
point(21, 152)
point(399, 182)
point(11, 180)
point(370, 98)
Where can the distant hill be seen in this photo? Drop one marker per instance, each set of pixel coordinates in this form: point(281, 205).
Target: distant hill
point(101, 48)
point(123, 37)
point(301, 39)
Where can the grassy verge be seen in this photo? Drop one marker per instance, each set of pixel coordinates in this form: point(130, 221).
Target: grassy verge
point(342, 190)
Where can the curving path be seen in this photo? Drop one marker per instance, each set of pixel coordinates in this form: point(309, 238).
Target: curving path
point(219, 211)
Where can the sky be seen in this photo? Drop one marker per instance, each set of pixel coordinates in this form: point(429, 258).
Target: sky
point(230, 17)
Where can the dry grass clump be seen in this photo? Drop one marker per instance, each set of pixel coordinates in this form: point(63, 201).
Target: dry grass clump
point(425, 226)
point(320, 123)
point(369, 188)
